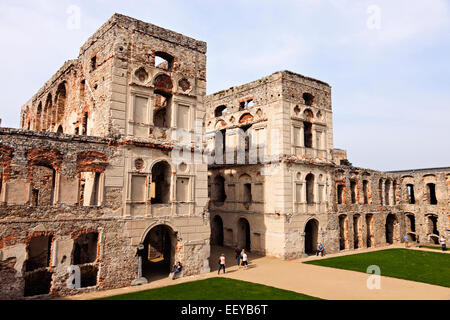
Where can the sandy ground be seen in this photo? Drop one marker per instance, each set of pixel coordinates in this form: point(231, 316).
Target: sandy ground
point(317, 281)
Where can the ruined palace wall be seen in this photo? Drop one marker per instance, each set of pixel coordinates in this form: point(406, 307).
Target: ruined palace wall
point(63, 217)
point(135, 73)
point(388, 202)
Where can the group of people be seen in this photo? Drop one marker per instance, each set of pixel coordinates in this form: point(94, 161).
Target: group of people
point(442, 241)
point(241, 259)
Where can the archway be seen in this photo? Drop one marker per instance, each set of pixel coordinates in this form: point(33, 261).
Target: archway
point(159, 252)
point(370, 236)
point(357, 231)
point(217, 231)
point(390, 220)
point(311, 236)
point(343, 232)
point(244, 241)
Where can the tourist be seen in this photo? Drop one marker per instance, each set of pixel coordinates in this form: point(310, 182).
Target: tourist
point(406, 238)
point(222, 263)
point(244, 259)
point(443, 243)
point(321, 250)
point(418, 242)
point(177, 268)
point(238, 256)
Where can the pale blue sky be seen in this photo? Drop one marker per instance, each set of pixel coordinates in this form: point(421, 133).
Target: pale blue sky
point(391, 85)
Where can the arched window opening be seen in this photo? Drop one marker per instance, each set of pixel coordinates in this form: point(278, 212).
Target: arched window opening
point(310, 189)
point(366, 191)
point(411, 197)
point(380, 191)
point(340, 193)
point(61, 99)
point(432, 193)
point(308, 99)
point(387, 192)
point(433, 225)
point(161, 180)
point(353, 190)
point(219, 189)
point(162, 113)
point(60, 130)
point(164, 61)
point(220, 111)
point(307, 128)
point(411, 223)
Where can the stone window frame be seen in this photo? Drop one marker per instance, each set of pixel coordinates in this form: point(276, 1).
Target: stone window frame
point(187, 102)
point(142, 93)
point(191, 198)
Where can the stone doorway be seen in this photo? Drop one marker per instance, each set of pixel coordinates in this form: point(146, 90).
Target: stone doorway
point(390, 220)
point(159, 252)
point(311, 236)
point(244, 240)
point(217, 231)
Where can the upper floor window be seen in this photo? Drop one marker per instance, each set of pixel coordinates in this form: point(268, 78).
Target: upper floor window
point(432, 193)
point(220, 110)
point(163, 61)
point(308, 99)
point(411, 197)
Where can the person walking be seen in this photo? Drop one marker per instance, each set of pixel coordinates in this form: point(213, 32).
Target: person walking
point(244, 259)
point(238, 251)
point(443, 243)
point(222, 263)
point(406, 238)
point(418, 242)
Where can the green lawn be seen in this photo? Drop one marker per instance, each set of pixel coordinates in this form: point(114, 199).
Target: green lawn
point(421, 266)
point(215, 289)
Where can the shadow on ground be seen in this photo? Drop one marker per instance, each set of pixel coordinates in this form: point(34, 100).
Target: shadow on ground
point(230, 256)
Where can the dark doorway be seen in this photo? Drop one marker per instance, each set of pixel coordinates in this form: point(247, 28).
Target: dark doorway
point(311, 236)
point(390, 228)
point(369, 230)
point(357, 231)
point(343, 232)
point(217, 231)
point(159, 252)
point(244, 240)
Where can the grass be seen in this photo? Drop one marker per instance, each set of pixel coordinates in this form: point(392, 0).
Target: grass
point(215, 289)
point(421, 266)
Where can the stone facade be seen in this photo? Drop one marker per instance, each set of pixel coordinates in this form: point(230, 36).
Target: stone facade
point(96, 170)
point(279, 187)
point(90, 175)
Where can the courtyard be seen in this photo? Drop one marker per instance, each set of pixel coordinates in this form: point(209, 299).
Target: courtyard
point(303, 277)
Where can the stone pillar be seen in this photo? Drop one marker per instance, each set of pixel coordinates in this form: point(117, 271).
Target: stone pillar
point(140, 279)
